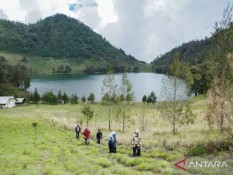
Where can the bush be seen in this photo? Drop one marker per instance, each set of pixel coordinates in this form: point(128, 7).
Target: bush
point(197, 150)
point(49, 98)
point(104, 162)
point(145, 167)
point(74, 99)
point(218, 146)
point(91, 98)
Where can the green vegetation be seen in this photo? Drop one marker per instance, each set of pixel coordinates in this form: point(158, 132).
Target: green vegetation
point(65, 44)
point(88, 113)
point(150, 99)
point(220, 93)
point(14, 80)
point(194, 52)
point(176, 109)
point(40, 140)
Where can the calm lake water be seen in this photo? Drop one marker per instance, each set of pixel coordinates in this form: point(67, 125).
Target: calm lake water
point(143, 84)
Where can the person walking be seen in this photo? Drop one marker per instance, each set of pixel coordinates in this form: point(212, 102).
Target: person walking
point(77, 131)
point(112, 142)
point(86, 135)
point(99, 136)
point(136, 143)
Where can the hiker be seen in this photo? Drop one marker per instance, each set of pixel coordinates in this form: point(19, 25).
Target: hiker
point(77, 130)
point(86, 135)
point(99, 136)
point(136, 143)
point(112, 142)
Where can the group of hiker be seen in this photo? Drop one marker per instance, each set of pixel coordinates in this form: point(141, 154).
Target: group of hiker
point(135, 141)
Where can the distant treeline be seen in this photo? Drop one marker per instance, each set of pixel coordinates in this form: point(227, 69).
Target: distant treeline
point(62, 69)
point(116, 69)
point(62, 98)
point(13, 77)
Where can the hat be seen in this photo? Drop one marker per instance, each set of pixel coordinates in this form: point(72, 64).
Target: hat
point(113, 133)
point(136, 131)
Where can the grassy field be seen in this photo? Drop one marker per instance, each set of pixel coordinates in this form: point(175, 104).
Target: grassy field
point(51, 146)
point(41, 65)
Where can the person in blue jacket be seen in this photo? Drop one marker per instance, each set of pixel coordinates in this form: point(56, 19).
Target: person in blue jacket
point(112, 142)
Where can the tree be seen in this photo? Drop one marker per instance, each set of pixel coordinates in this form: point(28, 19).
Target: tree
point(65, 98)
point(91, 98)
point(175, 104)
point(201, 79)
point(26, 82)
point(126, 95)
point(74, 99)
point(152, 98)
point(109, 91)
point(83, 99)
point(59, 96)
point(49, 98)
point(88, 113)
point(220, 64)
point(144, 99)
point(35, 97)
point(135, 69)
point(19, 76)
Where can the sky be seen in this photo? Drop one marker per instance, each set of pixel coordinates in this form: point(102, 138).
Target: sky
point(142, 28)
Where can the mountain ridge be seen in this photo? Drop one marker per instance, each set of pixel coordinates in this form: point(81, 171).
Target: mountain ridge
point(60, 36)
point(193, 53)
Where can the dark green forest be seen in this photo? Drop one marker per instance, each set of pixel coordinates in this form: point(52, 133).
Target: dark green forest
point(194, 52)
point(59, 37)
point(14, 80)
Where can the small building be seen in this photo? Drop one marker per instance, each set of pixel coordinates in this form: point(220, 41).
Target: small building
point(20, 101)
point(7, 102)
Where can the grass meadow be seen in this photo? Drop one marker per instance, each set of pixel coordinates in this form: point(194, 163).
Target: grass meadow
point(45, 65)
point(40, 139)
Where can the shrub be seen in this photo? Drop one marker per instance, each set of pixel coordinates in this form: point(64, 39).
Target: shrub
point(145, 167)
point(218, 146)
point(130, 162)
point(74, 99)
point(104, 162)
point(197, 150)
point(49, 98)
point(24, 166)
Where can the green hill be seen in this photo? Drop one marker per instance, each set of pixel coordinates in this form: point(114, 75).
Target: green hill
point(64, 41)
point(193, 53)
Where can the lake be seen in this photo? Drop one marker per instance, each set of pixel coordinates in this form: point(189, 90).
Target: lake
point(82, 85)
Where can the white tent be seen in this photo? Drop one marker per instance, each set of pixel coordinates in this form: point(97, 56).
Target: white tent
point(7, 102)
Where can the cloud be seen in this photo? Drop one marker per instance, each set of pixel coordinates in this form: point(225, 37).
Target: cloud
point(91, 18)
point(148, 28)
point(143, 28)
point(3, 15)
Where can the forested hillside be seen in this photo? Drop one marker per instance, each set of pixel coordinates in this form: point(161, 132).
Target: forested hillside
point(62, 37)
point(193, 53)
point(14, 80)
